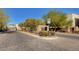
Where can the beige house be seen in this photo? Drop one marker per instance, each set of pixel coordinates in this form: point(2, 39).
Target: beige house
point(11, 27)
point(41, 28)
point(75, 21)
point(18, 27)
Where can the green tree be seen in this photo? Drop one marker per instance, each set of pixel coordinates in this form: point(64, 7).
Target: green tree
point(40, 22)
point(22, 24)
point(31, 23)
point(58, 19)
point(3, 20)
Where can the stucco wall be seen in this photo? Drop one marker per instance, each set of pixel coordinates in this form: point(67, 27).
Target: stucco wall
point(72, 17)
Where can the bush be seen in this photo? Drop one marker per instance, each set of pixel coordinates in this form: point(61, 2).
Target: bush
point(46, 33)
point(43, 33)
point(62, 30)
point(77, 32)
point(51, 33)
point(3, 29)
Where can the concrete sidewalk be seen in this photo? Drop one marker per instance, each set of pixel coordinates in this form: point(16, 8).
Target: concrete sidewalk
point(68, 35)
point(37, 36)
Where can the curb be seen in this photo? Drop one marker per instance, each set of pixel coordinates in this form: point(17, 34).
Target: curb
point(36, 36)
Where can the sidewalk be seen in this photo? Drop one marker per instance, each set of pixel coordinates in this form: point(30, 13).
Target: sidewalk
point(37, 36)
point(68, 35)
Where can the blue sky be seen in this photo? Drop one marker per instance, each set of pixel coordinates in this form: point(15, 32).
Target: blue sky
point(18, 15)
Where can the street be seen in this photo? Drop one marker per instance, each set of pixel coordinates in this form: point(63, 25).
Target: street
point(17, 41)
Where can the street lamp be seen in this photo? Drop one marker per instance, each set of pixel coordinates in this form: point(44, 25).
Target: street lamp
point(48, 23)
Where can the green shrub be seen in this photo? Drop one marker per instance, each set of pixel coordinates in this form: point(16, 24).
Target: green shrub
point(77, 32)
point(43, 33)
point(46, 33)
point(51, 33)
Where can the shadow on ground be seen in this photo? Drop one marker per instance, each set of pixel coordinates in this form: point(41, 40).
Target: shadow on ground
point(7, 32)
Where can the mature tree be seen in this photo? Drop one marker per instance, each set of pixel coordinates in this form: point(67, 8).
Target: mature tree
point(31, 23)
point(22, 24)
point(3, 19)
point(40, 22)
point(58, 19)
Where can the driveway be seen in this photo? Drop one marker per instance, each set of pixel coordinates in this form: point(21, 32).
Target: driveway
point(17, 41)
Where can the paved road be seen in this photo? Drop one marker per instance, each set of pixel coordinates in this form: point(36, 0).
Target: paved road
point(17, 41)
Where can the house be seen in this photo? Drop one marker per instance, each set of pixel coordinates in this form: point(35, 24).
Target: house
point(41, 28)
point(75, 21)
point(11, 27)
point(18, 27)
